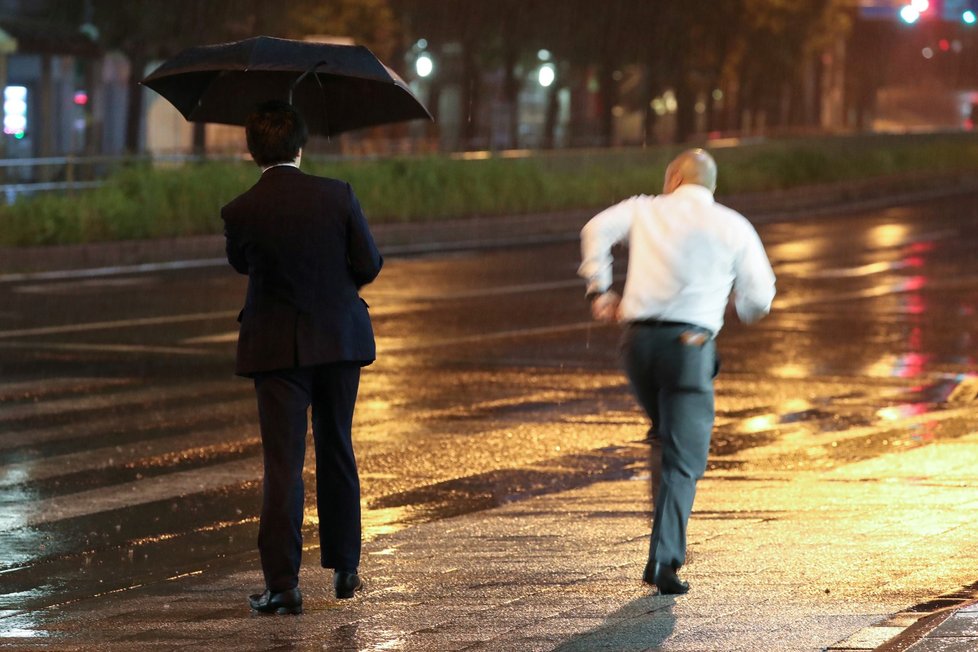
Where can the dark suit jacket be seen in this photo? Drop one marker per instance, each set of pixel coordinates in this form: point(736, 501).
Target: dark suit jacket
point(304, 243)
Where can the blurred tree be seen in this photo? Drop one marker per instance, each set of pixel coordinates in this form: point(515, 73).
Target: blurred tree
point(757, 50)
point(468, 38)
point(608, 40)
point(148, 30)
point(368, 22)
point(777, 40)
point(144, 31)
point(870, 53)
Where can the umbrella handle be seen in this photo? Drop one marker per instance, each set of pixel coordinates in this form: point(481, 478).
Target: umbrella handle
point(303, 76)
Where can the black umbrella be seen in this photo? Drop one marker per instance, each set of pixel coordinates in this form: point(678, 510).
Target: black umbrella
point(336, 88)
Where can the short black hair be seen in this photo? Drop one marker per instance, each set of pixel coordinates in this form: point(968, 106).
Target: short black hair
point(275, 132)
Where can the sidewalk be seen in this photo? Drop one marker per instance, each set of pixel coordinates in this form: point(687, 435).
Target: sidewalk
point(561, 572)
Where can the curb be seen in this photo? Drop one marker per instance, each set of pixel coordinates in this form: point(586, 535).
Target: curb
point(904, 629)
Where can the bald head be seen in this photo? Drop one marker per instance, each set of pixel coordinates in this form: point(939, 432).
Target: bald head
point(692, 166)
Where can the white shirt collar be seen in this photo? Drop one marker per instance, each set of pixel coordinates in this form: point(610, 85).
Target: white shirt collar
point(696, 190)
point(279, 165)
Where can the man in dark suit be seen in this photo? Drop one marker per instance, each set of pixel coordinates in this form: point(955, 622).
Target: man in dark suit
point(305, 333)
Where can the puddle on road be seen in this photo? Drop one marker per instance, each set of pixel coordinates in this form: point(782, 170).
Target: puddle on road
point(499, 487)
point(846, 426)
point(126, 549)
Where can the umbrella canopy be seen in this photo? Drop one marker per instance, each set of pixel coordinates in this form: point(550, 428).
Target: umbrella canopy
point(336, 88)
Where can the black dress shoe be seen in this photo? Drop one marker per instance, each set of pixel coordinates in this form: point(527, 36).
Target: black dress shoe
point(285, 602)
point(665, 579)
point(346, 584)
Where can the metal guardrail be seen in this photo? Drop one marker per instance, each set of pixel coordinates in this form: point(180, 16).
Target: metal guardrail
point(11, 190)
point(28, 176)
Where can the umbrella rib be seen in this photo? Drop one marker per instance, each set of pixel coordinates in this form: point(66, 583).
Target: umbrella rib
point(200, 98)
point(323, 103)
point(312, 69)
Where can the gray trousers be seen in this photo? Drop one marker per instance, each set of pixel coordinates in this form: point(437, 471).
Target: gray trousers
point(673, 382)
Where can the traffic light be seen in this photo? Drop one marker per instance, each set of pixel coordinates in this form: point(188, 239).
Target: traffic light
point(911, 12)
point(960, 11)
point(914, 10)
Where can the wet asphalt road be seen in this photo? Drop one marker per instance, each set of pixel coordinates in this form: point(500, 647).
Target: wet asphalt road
point(129, 454)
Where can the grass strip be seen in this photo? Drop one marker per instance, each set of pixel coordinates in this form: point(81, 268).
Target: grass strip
point(146, 201)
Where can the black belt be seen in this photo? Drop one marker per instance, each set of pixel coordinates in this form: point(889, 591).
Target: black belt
point(661, 323)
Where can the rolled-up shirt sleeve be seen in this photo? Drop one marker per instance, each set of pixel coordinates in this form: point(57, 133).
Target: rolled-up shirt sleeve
point(599, 235)
point(754, 281)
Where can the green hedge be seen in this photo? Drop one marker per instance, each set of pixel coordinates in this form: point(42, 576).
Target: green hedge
point(146, 202)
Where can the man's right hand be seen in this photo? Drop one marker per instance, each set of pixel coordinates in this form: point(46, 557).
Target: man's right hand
point(604, 307)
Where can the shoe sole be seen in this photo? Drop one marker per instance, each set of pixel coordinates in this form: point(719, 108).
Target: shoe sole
point(279, 611)
point(351, 594)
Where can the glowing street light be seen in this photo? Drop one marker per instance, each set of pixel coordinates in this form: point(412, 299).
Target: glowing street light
point(424, 65)
point(547, 75)
point(969, 17)
point(909, 14)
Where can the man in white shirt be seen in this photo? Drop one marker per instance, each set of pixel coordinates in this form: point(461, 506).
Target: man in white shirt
point(687, 254)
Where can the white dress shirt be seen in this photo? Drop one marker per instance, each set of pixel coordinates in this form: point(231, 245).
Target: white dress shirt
point(686, 254)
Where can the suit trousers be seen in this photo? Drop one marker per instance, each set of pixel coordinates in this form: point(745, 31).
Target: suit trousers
point(284, 397)
point(673, 382)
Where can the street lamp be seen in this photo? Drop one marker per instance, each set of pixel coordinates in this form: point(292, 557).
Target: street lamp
point(913, 11)
point(909, 14)
point(547, 75)
point(424, 65)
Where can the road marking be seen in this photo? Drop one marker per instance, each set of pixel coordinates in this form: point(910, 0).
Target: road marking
point(903, 287)
point(486, 337)
point(35, 389)
point(106, 348)
point(139, 492)
point(137, 396)
point(502, 289)
point(69, 287)
point(231, 314)
point(121, 323)
point(220, 338)
point(389, 250)
point(116, 270)
point(382, 348)
point(231, 336)
point(862, 270)
point(176, 419)
point(108, 457)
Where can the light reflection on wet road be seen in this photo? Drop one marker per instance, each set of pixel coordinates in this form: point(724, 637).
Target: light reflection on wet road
point(128, 453)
